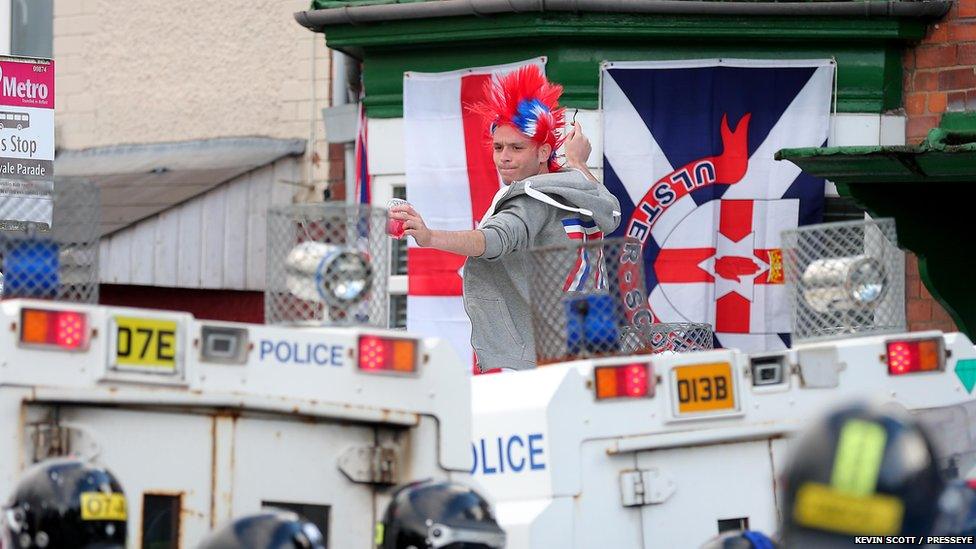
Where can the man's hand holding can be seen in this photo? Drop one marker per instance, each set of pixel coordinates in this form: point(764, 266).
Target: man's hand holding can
point(405, 221)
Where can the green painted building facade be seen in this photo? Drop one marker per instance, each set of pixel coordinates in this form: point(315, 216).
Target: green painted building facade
point(868, 50)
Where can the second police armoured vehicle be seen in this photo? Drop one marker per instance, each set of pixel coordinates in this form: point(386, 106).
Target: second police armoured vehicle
point(670, 448)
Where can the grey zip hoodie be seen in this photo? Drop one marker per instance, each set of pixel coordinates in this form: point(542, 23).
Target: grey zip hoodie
point(527, 214)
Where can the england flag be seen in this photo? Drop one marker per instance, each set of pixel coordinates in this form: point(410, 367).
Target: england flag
point(451, 180)
point(688, 151)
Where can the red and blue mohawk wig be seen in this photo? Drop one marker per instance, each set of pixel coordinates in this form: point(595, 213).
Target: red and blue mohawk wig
point(525, 100)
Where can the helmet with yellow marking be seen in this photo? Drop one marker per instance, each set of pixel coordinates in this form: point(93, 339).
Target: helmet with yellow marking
point(862, 471)
point(64, 503)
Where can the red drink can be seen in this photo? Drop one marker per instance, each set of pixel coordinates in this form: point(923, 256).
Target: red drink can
point(394, 227)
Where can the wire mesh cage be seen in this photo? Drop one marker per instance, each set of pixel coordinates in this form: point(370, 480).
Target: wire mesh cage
point(590, 300)
point(58, 262)
point(328, 264)
point(673, 337)
point(845, 278)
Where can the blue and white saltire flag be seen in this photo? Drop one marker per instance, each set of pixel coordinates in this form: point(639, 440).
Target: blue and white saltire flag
point(688, 150)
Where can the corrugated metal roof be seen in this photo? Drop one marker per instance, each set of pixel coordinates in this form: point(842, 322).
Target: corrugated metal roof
point(137, 181)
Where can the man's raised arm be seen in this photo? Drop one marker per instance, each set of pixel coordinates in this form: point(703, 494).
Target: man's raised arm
point(577, 149)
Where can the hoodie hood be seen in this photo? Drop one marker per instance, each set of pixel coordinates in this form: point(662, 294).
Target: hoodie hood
point(567, 190)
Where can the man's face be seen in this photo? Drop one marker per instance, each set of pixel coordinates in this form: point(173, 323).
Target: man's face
point(517, 156)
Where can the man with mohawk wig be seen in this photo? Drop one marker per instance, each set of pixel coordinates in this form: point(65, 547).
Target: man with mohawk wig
point(524, 126)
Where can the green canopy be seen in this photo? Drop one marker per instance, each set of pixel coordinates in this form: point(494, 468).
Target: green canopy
point(925, 189)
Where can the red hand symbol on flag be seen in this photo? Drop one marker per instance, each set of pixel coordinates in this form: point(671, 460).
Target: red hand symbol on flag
point(733, 268)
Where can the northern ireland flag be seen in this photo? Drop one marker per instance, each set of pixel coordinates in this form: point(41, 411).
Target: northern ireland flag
point(688, 150)
point(451, 181)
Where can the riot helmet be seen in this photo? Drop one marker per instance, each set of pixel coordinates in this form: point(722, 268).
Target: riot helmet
point(740, 539)
point(269, 529)
point(438, 514)
point(863, 470)
point(65, 503)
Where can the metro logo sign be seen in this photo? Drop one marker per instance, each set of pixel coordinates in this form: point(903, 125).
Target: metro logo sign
point(26, 142)
point(27, 84)
point(24, 89)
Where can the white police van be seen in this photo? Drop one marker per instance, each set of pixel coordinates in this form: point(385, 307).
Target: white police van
point(666, 451)
point(669, 449)
point(204, 421)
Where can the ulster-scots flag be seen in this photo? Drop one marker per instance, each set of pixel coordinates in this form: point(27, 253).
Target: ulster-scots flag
point(688, 150)
point(451, 181)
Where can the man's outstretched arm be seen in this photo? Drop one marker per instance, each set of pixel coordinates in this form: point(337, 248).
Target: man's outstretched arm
point(467, 243)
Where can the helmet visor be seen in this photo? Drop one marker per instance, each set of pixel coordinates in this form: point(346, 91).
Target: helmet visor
point(439, 535)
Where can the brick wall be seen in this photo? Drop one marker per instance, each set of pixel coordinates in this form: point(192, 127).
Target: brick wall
point(940, 76)
point(924, 312)
point(337, 171)
point(940, 73)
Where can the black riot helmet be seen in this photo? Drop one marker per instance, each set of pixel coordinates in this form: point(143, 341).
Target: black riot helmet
point(65, 503)
point(438, 514)
point(740, 539)
point(270, 529)
point(863, 470)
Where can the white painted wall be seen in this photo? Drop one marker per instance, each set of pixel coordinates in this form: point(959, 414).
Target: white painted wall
point(852, 129)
